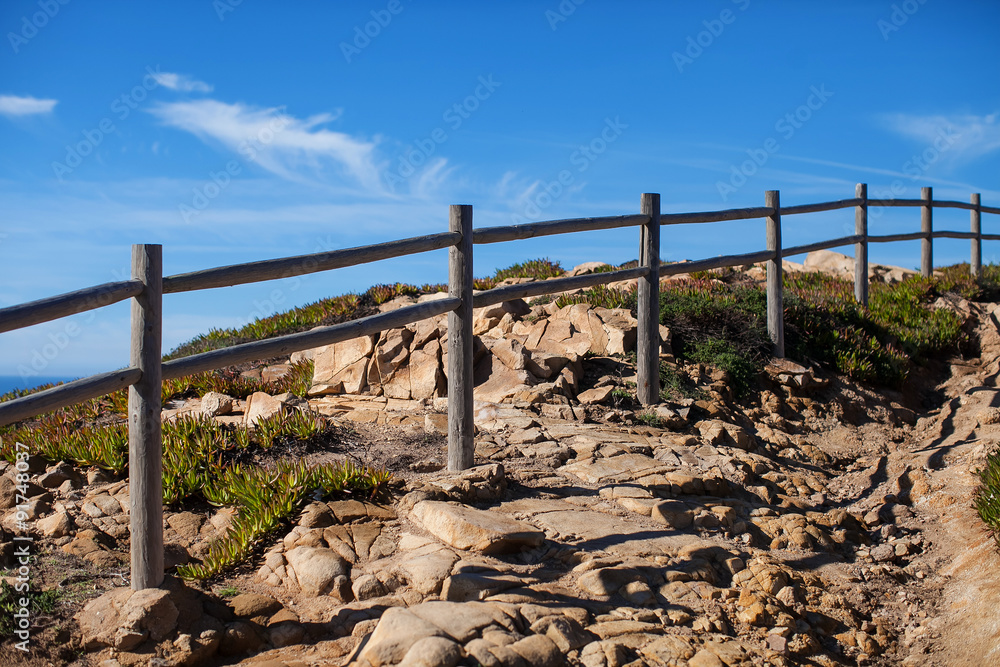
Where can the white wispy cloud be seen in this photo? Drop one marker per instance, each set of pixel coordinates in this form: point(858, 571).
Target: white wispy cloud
point(429, 181)
point(182, 83)
point(967, 137)
point(13, 105)
point(275, 140)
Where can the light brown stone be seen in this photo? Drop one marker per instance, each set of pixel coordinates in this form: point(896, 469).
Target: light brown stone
point(389, 359)
point(495, 382)
point(318, 570)
point(261, 406)
point(214, 404)
point(479, 530)
point(397, 631)
point(595, 395)
point(340, 368)
point(426, 375)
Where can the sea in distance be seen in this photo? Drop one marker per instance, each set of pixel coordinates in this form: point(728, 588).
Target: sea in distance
point(11, 382)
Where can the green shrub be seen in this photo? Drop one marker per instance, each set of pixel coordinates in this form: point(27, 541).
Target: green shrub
point(877, 344)
point(987, 496)
point(672, 387)
point(539, 269)
point(266, 498)
point(649, 419)
point(718, 324)
point(724, 355)
point(39, 603)
point(601, 296)
point(198, 464)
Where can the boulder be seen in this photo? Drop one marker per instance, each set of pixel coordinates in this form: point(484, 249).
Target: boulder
point(425, 564)
point(261, 406)
point(595, 395)
point(621, 328)
point(124, 618)
point(390, 359)
point(214, 404)
point(427, 330)
point(275, 372)
point(59, 524)
point(320, 571)
point(827, 261)
point(341, 367)
point(479, 530)
point(398, 630)
point(495, 382)
point(585, 269)
point(432, 652)
point(426, 375)
point(252, 605)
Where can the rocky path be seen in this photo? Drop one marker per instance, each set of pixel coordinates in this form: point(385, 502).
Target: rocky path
point(819, 523)
point(833, 528)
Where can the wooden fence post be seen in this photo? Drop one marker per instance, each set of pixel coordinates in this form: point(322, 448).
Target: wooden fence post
point(926, 226)
point(775, 302)
point(861, 247)
point(145, 445)
point(976, 260)
point(648, 341)
point(461, 444)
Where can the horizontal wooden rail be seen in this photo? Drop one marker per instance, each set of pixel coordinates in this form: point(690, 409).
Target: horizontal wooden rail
point(722, 261)
point(944, 234)
point(896, 202)
point(889, 238)
point(67, 394)
point(821, 245)
point(524, 290)
point(715, 216)
point(285, 345)
point(944, 203)
point(71, 303)
point(991, 237)
point(273, 269)
point(536, 229)
point(825, 206)
point(990, 209)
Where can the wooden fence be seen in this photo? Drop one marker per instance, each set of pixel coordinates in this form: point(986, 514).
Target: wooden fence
point(147, 287)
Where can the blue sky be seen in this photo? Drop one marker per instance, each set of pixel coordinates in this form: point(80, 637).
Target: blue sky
point(235, 131)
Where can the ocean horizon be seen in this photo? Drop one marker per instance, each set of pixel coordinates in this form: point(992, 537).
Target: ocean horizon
point(12, 382)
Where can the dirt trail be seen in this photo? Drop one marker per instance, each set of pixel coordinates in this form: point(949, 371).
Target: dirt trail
point(962, 625)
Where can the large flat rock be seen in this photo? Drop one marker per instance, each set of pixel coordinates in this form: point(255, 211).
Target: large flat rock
point(593, 530)
point(616, 468)
point(474, 529)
